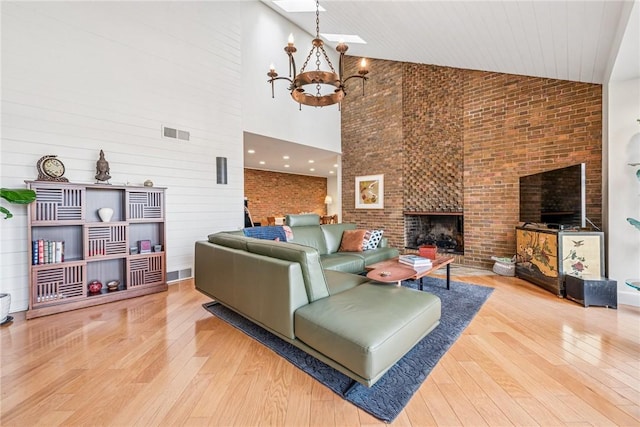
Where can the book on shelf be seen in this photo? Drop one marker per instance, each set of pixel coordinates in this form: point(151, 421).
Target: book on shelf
point(415, 261)
point(47, 252)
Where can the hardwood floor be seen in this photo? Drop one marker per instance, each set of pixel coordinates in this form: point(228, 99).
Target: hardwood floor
point(528, 358)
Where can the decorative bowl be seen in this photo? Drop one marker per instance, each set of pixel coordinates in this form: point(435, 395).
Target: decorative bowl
point(95, 286)
point(113, 285)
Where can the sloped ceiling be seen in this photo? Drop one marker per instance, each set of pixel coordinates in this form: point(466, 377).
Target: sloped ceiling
point(573, 40)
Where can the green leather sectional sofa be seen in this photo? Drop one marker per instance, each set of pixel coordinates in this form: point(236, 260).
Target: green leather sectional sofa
point(301, 292)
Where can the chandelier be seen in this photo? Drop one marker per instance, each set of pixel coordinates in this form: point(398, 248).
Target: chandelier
point(318, 80)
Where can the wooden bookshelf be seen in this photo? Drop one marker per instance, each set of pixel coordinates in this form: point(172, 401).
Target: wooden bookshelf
point(93, 249)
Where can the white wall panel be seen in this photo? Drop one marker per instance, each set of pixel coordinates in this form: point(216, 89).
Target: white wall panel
point(265, 34)
point(78, 77)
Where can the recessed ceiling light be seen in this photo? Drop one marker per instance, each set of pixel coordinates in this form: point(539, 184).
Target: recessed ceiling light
point(298, 5)
point(311, 161)
point(335, 166)
point(285, 157)
point(331, 172)
point(286, 166)
point(312, 170)
point(251, 151)
point(344, 38)
point(262, 162)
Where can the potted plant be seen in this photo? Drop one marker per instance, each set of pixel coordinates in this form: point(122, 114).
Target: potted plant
point(636, 223)
point(20, 196)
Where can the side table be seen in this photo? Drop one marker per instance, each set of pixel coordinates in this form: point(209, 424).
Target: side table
point(592, 290)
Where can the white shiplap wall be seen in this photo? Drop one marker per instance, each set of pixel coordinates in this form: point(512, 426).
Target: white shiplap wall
point(78, 77)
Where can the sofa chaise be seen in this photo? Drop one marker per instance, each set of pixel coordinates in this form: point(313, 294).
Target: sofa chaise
point(357, 326)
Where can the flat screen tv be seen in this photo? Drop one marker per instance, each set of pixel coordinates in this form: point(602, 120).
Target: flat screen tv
point(556, 198)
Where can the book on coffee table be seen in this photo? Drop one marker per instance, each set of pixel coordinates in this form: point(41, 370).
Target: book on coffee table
point(414, 261)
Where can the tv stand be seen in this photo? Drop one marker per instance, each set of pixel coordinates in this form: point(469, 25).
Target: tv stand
point(544, 255)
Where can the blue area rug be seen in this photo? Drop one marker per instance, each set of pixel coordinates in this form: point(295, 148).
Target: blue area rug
point(386, 398)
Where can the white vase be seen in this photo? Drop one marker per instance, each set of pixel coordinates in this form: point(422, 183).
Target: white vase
point(5, 304)
point(105, 214)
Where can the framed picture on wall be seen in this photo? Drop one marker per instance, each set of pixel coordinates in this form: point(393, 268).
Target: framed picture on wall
point(370, 192)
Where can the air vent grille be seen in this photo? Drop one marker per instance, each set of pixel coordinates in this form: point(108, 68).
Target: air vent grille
point(174, 133)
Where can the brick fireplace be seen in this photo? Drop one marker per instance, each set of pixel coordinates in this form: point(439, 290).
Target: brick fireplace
point(444, 230)
point(451, 140)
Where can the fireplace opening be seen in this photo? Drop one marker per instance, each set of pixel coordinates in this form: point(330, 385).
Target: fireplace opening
point(444, 230)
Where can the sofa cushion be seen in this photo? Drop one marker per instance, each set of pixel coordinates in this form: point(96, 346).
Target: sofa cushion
point(333, 235)
point(352, 241)
point(310, 235)
point(349, 262)
point(306, 256)
point(299, 220)
point(369, 327)
point(234, 241)
point(338, 281)
point(379, 254)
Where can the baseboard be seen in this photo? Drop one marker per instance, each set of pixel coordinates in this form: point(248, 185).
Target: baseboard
point(630, 297)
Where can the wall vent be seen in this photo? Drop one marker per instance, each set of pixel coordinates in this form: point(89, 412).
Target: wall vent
point(174, 133)
point(173, 276)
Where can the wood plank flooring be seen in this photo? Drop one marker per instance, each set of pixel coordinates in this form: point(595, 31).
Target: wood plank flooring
point(528, 358)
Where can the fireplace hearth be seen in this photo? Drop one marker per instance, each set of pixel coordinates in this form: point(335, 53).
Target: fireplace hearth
point(445, 230)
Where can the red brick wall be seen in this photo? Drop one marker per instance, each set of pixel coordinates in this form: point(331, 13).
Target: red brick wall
point(278, 194)
point(433, 138)
point(515, 126)
point(478, 130)
point(372, 141)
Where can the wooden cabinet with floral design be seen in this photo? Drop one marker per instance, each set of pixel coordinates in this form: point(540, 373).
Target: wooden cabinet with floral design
point(545, 256)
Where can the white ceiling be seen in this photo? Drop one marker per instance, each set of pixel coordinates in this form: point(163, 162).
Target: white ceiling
point(301, 158)
point(563, 39)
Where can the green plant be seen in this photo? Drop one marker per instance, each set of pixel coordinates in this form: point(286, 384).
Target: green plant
point(20, 196)
point(633, 221)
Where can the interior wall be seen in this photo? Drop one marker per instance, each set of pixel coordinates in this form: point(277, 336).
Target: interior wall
point(495, 129)
point(78, 77)
point(278, 194)
point(265, 34)
point(624, 186)
point(372, 144)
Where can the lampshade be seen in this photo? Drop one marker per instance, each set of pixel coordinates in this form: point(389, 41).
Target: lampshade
point(328, 200)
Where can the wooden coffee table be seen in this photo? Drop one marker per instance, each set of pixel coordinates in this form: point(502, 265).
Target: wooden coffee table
point(391, 273)
point(399, 272)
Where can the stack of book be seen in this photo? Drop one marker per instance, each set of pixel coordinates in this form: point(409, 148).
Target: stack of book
point(47, 252)
point(415, 261)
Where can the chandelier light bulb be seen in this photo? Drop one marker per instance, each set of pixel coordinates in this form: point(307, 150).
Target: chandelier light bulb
point(363, 64)
point(272, 67)
point(290, 39)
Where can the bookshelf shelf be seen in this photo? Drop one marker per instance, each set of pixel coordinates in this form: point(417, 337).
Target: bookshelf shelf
point(80, 247)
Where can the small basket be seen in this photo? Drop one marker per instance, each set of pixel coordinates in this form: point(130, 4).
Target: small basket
point(504, 266)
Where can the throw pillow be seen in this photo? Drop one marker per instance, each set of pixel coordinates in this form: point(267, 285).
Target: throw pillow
point(352, 241)
point(374, 239)
point(288, 232)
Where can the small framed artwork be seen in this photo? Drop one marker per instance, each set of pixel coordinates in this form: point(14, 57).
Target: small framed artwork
point(370, 192)
point(144, 246)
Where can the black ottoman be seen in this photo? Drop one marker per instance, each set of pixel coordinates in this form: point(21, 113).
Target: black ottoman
point(592, 291)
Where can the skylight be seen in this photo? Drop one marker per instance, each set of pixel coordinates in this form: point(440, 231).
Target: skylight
point(297, 5)
point(346, 38)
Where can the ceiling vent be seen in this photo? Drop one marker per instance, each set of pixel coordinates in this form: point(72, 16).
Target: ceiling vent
point(173, 133)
